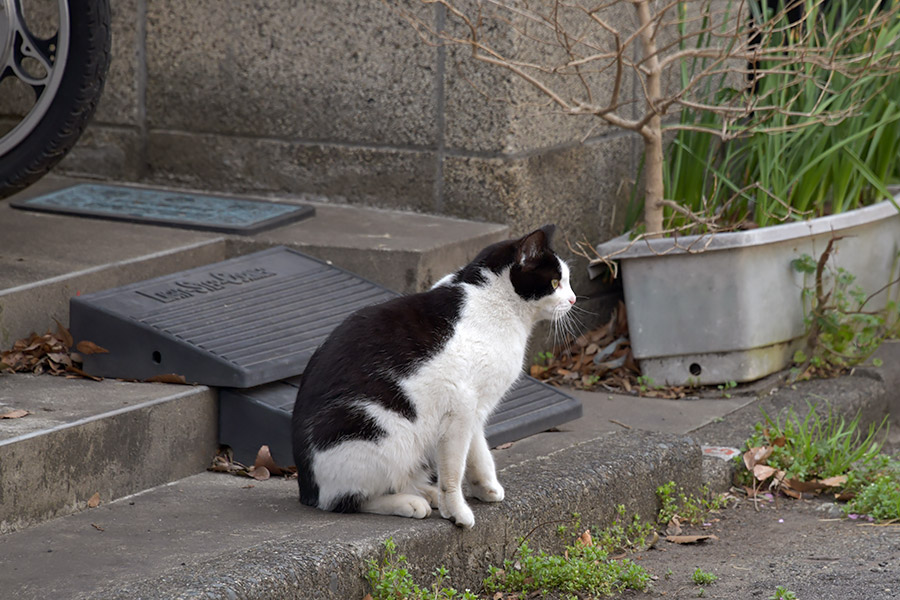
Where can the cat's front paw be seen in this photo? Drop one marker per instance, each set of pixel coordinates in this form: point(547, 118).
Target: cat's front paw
point(457, 512)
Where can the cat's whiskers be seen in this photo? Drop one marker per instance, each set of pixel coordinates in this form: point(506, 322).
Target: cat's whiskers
point(564, 325)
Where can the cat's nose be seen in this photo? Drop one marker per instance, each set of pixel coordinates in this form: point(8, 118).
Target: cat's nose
point(572, 299)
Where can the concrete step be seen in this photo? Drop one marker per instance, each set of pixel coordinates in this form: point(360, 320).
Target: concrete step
point(112, 437)
point(82, 437)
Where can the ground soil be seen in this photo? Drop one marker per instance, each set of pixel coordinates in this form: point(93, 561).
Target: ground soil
point(801, 545)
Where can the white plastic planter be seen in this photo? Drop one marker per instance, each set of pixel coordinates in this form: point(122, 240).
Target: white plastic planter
point(727, 307)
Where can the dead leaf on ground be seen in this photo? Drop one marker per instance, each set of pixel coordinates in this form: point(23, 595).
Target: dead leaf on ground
point(94, 502)
point(63, 334)
point(673, 529)
point(262, 469)
point(763, 472)
point(836, 481)
point(89, 347)
point(804, 487)
point(690, 539)
point(259, 473)
point(757, 455)
point(264, 459)
point(49, 353)
point(15, 414)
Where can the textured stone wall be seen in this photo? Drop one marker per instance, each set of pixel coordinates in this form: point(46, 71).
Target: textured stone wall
point(341, 101)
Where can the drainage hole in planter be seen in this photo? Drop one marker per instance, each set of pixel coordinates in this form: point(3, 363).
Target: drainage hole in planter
point(157, 357)
point(695, 369)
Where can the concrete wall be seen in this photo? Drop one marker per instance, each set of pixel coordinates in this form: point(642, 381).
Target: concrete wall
point(340, 100)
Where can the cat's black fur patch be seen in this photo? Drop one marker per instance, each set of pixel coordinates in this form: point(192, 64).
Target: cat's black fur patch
point(348, 504)
point(502, 255)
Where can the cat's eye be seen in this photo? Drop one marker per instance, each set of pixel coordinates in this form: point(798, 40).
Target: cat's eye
point(555, 283)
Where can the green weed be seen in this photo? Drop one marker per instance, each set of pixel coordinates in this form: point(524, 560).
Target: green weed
point(701, 577)
point(842, 329)
point(879, 499)
point(390, 579)
point(583, 567)
point(816, 447)
point(645, 383)
point(689, 509)
point(783, 594)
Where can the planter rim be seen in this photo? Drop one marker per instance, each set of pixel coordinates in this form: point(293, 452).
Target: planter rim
point(622, 248)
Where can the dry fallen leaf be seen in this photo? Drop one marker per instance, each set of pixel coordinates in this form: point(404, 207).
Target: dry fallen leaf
point(94, 502)
point(88, 347)
point(259, 473)
point(264, 460)
point(836, 481)
point(757, 455)
point(763, 472)
point(673, 529)
point(804, 487)
point(586, 539)
point(14, 414)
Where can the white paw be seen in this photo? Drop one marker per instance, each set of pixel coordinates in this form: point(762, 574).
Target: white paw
point(432, 495)
point(457, 512)
point(489, 492)
point(415, 507)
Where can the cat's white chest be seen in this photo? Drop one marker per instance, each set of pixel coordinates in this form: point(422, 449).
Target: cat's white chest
point(477, 365)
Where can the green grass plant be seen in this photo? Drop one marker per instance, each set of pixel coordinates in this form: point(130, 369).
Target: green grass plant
point(701, 577)
point(580, 569)
point(792, 163)
point(816, 446)
point(782, 593)
point(583, 568)
point(390, 579)
point(690, 509)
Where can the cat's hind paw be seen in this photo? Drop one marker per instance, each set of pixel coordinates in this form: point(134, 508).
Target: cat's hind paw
point(401, 505)
point(432, 494)
point(488, 492)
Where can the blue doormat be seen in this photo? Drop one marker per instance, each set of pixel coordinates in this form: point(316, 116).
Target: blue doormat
point(170, 208)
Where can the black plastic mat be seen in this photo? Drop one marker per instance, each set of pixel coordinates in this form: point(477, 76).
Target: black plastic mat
point(261, 416)
point(170, 208)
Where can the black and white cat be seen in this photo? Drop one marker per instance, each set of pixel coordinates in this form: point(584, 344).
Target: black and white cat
point(403, 389)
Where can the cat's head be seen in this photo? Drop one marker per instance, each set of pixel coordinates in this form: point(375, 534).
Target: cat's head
point(537, 275)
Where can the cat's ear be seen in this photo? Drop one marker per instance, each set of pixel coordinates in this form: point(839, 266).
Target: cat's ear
point(533, 245)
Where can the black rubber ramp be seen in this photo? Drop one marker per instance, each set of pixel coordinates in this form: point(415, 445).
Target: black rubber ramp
point(238, 323)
